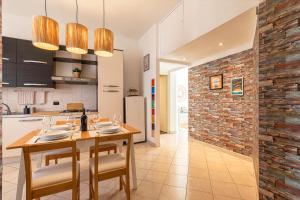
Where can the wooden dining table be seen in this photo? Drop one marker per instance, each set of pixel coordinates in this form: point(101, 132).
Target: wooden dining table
point(84, 140)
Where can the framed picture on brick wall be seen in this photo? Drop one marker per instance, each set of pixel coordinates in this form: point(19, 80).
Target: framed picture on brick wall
point(216, 82)
point(237, 86)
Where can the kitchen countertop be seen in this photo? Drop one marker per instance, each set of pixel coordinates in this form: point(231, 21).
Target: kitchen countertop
point(46, 113)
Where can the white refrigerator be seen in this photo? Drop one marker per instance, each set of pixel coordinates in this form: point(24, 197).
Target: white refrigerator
point(135, 116)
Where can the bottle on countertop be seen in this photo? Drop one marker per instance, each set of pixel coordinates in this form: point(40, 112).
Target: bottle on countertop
point(26, 110)
point(83, 121)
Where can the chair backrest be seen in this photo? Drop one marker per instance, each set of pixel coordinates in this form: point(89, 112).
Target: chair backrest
point(42, 147)
point(122, 136)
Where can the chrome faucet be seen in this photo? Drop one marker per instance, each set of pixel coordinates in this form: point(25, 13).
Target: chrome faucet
point(8, 111)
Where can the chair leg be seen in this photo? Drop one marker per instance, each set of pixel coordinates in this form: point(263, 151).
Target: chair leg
point(108, 152)
point(90, 185)
point(96, 197)
point(78, 188)
point(121, 184)
point(56, 160)
point(115, 150)
point(127, 186)
point(78, 156)
point(47, 161)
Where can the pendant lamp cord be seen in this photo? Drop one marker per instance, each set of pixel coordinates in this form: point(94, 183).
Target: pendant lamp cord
point(76, 11)
point(46, 8)
point(103, 14)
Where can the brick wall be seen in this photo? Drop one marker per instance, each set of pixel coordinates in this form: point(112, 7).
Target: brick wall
point(217, 117)
point(279, 99)
point(1, 99)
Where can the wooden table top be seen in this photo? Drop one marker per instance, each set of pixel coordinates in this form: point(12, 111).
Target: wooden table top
point(85, 135)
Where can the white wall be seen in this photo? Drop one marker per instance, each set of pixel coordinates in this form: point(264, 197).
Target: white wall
point(64, 93)
point(20, 27)
point(148, 44)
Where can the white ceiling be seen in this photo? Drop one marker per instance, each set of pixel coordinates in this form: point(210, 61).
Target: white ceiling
point(166, 67)
point(236, 34)
point(131, 18)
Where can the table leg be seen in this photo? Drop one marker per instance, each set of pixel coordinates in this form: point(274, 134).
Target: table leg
point(133, 166)
point(21, 178)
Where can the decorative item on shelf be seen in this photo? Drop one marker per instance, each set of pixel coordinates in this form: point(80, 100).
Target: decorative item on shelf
point(76, 36)
point(216, 82)
point(146, 62)
point(76, 72)
point(103, 39)
point(45, 32)
point(237, 86)
point(153, 107)
point(132, 92)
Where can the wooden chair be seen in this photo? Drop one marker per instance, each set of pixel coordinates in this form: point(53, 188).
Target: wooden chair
point(110, 166)
point(59, 154)
point(104, 147)
point(51, 179)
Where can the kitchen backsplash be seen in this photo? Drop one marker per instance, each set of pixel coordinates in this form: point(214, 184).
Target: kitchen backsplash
point(64, 93)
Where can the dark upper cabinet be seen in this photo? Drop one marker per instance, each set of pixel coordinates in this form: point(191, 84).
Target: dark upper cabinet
point(25, 65)
point(34, 75)
point(9, 74)
point(9, 58)
point(29, 54)
point(9, 50)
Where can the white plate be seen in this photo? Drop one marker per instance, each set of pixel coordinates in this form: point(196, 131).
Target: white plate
point(55, 135)
point(110, 129)
point(103, 124)
point(61, 127)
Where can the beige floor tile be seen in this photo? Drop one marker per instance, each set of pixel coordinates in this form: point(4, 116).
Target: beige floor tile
point(148, 189)
point(222, 176)
point(198, 164)
point(174, 193)
point(197, 195)
point(155, 176)
point(144, 164)
point(248, 193)
point(198, 173)
point(7, 187)
point(199, 184)
point(220, 197)
point(141, 173)
point(220, 167)
point(161, 167)
point(164, 159)
point(180, 170)
point(176, 180)
point(225, 189)
point(243, 179)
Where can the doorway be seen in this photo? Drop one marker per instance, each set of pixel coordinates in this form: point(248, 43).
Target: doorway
point(173, 98)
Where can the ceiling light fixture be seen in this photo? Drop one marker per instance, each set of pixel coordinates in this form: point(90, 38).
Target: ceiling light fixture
point(76, 36)
point(103, 39)
point(45, 32)
point(221, 44)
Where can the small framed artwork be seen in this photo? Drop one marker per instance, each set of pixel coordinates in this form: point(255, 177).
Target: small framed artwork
point(216, 82)
point(146, 62)
point(237, 86)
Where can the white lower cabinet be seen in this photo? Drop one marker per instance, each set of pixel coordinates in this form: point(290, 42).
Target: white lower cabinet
point(15, 127)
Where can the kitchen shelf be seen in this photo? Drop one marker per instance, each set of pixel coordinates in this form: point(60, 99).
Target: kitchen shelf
point(72, 60)
point(73, 80)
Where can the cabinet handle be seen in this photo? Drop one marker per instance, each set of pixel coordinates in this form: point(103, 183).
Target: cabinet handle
point(5, 83)
point(30, 120)
point(35, 61)
point(7, 59)
point(35, 84)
